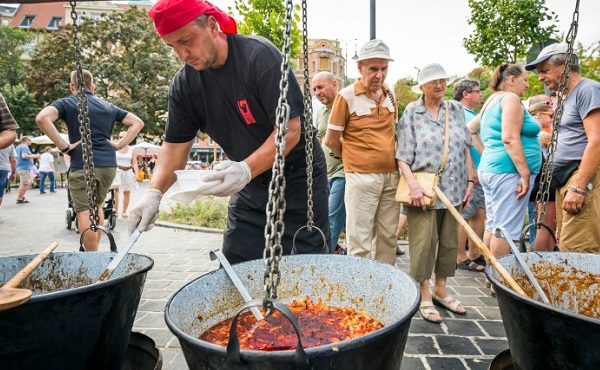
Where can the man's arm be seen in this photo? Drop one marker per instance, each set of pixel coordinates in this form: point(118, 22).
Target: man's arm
point(474, 126)
point(135, 126)
point(172, 157)
point(590, 162)
point(333, 141)
point(13, 168)
point(263, 158)
point(45, 121)
point(7, 137)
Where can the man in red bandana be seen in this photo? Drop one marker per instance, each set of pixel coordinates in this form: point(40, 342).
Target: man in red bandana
point(229, 89)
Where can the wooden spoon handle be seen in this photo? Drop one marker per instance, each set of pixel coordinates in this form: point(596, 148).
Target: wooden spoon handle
point(16, 280)
point(474, 237)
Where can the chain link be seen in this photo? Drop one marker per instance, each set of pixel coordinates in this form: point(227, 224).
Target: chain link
point(84, 125)
point(565, 79)
point(274, 227)
point(308, 127)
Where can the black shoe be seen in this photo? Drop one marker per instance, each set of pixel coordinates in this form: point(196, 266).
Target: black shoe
point(53, 191)
point(42, 192)
point(399, 251)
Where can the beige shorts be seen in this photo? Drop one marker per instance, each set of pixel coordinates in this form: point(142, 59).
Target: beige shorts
point(77, 186)
point(25, 177)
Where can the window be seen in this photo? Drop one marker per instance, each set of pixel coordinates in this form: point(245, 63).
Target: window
point(54, 23)
point(324, 64)
point(27, 21)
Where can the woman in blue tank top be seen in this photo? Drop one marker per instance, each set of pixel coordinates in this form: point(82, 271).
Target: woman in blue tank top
point(511, 156)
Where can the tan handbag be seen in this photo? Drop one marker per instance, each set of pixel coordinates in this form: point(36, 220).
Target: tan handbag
point(426, 179)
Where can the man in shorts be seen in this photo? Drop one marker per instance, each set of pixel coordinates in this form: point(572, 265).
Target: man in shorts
point(468, 93)
point(24, 166)
point(102, 117)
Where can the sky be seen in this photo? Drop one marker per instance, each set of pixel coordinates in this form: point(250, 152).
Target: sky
point(420, 32)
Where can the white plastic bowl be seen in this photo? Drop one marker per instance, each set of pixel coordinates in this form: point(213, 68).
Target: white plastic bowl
point(189, 180)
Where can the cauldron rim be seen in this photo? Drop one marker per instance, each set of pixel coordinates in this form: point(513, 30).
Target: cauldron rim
point(90, 287)
point(253, 354)
point(540, 305)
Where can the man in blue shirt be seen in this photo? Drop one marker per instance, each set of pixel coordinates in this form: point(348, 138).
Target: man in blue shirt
point(24, 166)
point(102, 117)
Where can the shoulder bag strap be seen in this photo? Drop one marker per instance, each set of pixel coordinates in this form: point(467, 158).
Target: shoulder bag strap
point(446, 140)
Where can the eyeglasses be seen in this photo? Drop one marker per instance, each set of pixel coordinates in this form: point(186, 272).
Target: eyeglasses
point(476, 91)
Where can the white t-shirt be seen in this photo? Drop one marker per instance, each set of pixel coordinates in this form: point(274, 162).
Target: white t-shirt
point(45, 161)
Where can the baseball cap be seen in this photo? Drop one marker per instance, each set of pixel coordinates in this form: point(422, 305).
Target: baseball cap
point(547, 52)
point(374, 49)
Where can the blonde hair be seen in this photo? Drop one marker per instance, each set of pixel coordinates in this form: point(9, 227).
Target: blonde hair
point(88, 79)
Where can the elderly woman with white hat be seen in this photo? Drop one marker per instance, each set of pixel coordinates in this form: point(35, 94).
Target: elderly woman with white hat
point(432, 230)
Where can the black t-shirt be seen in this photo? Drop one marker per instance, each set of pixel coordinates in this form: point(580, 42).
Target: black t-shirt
point(235, 104)
point(103, 116)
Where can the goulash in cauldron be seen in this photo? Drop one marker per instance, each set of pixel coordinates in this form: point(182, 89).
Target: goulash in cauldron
point(319, 325)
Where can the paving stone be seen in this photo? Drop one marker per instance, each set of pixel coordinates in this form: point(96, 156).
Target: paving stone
point(478, 363)
point(466, 291)
point(412, 363)
point(160, 336)
point(445, 363)
point(492, 346)
point(151, 320)
point(463, 328)
point(493, 328)
point(490, 313)
point(456, 345)
point(153, 305)
point(420, 326)
point(417, 344)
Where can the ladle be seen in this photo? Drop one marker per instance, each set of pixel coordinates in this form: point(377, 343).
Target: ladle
point(10, 295)
point(484, 250)
point(502, 233)
point(119, 257)
point(217, 254)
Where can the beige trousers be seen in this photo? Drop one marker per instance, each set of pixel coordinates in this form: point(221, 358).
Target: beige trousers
point(372, 215)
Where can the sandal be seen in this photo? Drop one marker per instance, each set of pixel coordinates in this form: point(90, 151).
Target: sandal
point(449, 303)
point(21, 201)
point(469, 266)
point(124, 215)
point(480, 260)
point(426, 309)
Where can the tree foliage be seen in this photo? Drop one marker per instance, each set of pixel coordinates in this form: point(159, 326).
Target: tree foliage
point(266, 18)
point(23, 108)
point(13, 43)
point(132, 67)
point(505, 30)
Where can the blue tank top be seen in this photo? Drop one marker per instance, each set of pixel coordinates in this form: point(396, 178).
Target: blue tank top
point(495, 157)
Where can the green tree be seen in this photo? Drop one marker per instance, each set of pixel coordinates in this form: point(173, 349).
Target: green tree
point(404, 94)
point(589, 60)
point(13, 43)
point(23, 108)
point(132, 67)
point(505, 30)
point(266, 18)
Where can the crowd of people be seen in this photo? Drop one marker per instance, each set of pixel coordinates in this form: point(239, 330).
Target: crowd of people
point(489, 163)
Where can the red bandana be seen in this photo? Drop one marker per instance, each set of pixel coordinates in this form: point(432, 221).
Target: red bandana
point(171, 15)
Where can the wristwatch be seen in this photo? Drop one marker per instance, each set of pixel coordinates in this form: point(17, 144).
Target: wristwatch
point(65, 149)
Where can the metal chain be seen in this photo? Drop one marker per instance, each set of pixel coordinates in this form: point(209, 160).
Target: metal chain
point(274, 227)
point(84, 125)
point(308, 128)
point(565, 79)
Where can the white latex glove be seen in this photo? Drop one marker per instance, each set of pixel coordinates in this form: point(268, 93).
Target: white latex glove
point(234, 176)
point(145, 212)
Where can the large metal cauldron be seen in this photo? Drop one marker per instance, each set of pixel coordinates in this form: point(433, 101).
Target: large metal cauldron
point(380, 289)
point(70, 322)
point(541, 336)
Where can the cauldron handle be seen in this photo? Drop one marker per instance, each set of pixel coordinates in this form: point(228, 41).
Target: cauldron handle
point(111, 238)
point(233, 346)
point(295, 250)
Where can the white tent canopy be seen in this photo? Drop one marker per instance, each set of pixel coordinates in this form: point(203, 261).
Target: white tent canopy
point(45, 140)
point(147, 148)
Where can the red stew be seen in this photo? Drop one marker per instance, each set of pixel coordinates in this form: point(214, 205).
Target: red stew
point(319, 325)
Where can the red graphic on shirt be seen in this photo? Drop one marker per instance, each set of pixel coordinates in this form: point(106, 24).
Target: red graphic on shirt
point(245, 112)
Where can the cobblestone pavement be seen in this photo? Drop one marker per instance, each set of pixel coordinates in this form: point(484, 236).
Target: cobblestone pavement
point(181, 255)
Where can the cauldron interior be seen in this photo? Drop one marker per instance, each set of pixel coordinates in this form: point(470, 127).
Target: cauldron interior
point(380, 289)
point(542, 336)
point(69, 322)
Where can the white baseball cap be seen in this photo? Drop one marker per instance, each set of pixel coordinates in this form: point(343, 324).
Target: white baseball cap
point(547, 52)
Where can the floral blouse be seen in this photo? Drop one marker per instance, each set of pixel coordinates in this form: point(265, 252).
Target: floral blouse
point(421, 146)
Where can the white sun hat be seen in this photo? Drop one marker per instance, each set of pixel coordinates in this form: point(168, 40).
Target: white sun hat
point(374, 49)
point(431, 72)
